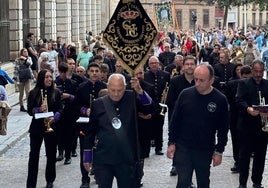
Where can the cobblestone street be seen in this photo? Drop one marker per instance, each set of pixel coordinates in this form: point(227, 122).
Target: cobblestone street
point(13, 171)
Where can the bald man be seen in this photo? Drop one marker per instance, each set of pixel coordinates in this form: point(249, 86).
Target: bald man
point(112, 132)
point(200, 112)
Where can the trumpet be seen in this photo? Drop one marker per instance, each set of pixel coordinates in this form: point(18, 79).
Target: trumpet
point(264, 120)
point(174, 73)
point(238, 54)
point(46, 120)
point(163, 100)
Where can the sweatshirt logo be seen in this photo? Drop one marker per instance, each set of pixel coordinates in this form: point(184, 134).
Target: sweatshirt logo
point(211, 107)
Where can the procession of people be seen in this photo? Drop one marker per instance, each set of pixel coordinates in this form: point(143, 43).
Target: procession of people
point(86, 103)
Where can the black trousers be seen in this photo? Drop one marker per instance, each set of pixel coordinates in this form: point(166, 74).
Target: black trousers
point(68, 135)
point(50, 140)
point(234, 135)
point(124, 174)
point(252, 141)
point(85, 177)
point(157, 131)
point(189, 160)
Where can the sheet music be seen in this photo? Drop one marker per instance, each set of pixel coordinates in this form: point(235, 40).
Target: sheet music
point(83, 120)
point(43, 115)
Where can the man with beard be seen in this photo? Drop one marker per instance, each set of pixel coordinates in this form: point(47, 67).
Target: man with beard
point(250, 92)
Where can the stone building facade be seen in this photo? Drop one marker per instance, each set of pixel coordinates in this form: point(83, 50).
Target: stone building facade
point(49, 19)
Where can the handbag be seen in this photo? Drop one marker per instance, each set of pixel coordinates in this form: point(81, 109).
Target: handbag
point(4, 111)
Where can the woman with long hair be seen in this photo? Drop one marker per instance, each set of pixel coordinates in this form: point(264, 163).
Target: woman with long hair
point(23, 75)
point(44, 97)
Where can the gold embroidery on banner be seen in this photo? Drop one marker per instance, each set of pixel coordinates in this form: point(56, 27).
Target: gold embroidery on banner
point(130, 34)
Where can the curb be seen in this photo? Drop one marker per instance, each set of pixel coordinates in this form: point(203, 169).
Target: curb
point(8, 146)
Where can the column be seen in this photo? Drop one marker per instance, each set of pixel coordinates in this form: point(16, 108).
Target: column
point(15, 29)
point(50, 19)
point(34, 18)
point(75, 23)
point(64, 20)
point(82, 21)
point(93, 17)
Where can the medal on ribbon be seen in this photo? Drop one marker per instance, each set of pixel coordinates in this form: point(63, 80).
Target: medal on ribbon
point(116, 122)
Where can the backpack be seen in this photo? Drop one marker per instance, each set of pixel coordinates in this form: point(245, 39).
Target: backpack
point(24, 71)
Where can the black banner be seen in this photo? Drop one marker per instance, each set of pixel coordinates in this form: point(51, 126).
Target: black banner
point(130, 34)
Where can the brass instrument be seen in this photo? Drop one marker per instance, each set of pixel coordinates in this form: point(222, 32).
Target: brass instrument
point(46, 120)
point(174, 73)
point(237, 55)
point(263, 119)
point(163, 100)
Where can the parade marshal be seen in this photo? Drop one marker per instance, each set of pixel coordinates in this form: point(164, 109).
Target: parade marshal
point(130, 34)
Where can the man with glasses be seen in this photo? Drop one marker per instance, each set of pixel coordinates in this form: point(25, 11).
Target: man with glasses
point(176, 85)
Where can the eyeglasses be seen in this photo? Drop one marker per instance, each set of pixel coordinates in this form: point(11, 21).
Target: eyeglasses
point(151, 63)
point(79, 71)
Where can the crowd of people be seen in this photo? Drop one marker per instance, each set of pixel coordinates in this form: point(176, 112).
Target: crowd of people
point(208, 82)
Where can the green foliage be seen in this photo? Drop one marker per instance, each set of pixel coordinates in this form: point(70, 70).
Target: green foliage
point(263, 5)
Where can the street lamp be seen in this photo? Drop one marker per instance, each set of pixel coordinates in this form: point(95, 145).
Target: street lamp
point(194, 19)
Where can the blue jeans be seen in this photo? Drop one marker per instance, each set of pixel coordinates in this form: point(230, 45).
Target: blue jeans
point(189, 160)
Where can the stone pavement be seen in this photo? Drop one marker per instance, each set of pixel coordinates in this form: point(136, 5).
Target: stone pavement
point(17, 125)
point(156, 167)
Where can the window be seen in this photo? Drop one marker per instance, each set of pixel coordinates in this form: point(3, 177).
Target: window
point(191, 13)
point(179, 18)
point(260, 19)
point(205, 18)
point(254, 18)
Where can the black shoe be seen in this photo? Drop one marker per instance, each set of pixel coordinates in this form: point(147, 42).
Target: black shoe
point(60, 157)
point(152, 143)
point(257, 185)
point(159, 152)
point(192, 185)
point(68, 161)
point(91, 172)
point(235, 169)
point(22, 109)
point(49, 185)
point(74, 154)
point(242, 186)
point(173, 171)
point(84, 185)
point(140, 184)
